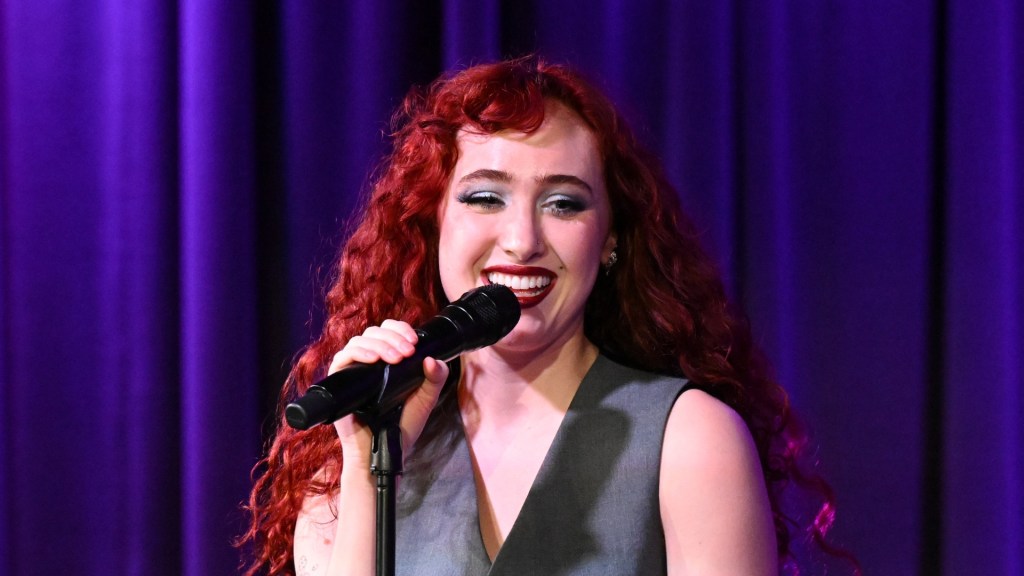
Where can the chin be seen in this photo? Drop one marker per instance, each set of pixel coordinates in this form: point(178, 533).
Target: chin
point(524, 337)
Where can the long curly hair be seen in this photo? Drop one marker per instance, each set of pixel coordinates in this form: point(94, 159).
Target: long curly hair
point(664, 309)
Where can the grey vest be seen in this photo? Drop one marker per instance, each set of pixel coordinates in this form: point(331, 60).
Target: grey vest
point(593, 508)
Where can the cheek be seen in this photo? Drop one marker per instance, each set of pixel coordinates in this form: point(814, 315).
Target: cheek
point(581, 247)
point(446, 259)
point(460, 247)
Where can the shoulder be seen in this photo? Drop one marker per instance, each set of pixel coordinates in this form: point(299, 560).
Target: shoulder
point(703, 431)
point(707, 444)
point(712, 491)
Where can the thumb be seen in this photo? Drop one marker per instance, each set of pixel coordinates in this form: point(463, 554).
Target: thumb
point(419, 405)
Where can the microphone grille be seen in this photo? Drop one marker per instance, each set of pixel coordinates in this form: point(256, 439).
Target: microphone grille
point(495, 309)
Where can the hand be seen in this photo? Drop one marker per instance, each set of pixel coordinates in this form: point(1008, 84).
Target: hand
point(392, 342)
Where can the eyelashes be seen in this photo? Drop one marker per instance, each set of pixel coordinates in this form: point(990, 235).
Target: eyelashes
point(484, 199)
point(559, 204)
point(563, 205)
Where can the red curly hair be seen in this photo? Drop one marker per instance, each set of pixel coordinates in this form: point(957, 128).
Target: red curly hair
point(664, 310)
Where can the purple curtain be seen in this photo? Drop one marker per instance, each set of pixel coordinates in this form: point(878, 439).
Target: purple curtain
point(174, 177)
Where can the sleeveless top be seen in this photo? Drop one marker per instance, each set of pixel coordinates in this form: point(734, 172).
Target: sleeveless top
point(593, 508)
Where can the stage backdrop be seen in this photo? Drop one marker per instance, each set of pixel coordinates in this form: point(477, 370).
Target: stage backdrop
point(175, 175)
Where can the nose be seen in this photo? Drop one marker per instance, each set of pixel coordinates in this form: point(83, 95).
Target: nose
point(521, 236)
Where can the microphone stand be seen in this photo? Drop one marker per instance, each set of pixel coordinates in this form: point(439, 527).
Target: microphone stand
point(386, 465)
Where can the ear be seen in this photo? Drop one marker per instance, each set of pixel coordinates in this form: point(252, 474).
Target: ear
point(610, 244)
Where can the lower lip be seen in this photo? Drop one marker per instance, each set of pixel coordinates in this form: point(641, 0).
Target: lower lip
point(530, 298)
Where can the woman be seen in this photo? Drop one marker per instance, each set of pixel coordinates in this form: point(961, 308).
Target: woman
point(625, 425)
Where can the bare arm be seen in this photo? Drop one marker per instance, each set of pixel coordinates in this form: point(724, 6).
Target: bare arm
point(714, 504)
point(344, 545)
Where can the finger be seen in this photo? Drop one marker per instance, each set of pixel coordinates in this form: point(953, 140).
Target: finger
point(422, 400)
point(395, 340)
point(356, 438)
point(352, 353)
point(377, 337)
point(435, 371)
point(421, 403)
point(365, 350)
point(402, 328)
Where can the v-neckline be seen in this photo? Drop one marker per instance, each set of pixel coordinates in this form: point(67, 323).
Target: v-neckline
point(542, 472)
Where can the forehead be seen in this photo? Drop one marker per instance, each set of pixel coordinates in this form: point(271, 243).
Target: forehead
point(562, 144)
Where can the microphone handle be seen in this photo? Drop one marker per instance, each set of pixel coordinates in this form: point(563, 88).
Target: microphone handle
point(441, 339)
point(372, 389)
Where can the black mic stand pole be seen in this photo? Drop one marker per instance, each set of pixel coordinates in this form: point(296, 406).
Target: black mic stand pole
point(386, 465)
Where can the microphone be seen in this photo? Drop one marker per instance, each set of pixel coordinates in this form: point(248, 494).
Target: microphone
point(479, 318)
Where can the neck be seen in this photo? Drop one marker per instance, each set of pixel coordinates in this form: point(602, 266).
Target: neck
point(499, 384)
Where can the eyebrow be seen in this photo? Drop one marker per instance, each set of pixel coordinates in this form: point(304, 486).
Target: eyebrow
point(486, 174)
point(506, 178)
point(565, 179)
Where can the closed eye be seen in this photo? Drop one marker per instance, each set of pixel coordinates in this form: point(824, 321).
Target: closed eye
point(483, 200)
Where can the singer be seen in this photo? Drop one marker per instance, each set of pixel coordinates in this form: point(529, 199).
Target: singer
point(626, 425)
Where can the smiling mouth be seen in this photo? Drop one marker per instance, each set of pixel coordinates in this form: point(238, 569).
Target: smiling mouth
point(530, 288)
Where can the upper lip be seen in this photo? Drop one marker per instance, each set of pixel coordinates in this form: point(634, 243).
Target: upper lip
point(531, 284)
point(519, 270)
point(520, 278)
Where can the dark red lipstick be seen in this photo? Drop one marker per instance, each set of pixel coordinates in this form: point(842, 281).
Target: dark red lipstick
point(518, 279)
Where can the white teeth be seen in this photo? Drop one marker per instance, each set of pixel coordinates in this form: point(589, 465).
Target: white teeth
point(516, 282)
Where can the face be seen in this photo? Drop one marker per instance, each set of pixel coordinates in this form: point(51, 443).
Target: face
point(529, 211)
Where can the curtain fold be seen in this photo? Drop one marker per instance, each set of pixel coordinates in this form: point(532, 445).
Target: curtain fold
point(983, 520)
point(139, 406)
point(218, 278)
point(176, 178)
